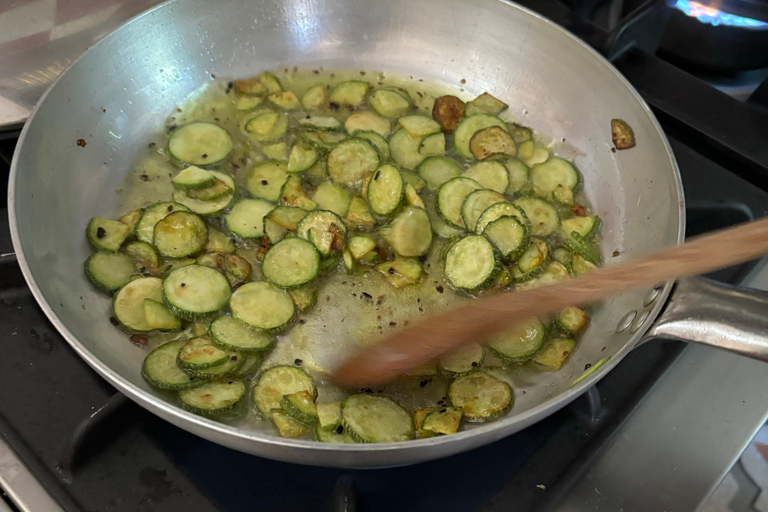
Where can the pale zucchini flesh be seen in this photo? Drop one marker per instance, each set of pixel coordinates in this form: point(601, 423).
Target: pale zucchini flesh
point(231, 334)
point(376, 419)
point(291, 263)
point(162, 372)
point(262, 306)
point(481, 396)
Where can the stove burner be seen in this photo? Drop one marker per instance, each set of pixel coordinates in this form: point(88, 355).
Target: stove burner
point(713, 16)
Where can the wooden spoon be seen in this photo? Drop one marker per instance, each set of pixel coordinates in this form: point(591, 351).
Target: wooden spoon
point(481, 318)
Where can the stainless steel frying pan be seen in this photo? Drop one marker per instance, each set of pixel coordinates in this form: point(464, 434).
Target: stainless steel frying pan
point(120, 92)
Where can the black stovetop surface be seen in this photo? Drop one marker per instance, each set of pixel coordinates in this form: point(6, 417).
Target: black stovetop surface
point(94, 450)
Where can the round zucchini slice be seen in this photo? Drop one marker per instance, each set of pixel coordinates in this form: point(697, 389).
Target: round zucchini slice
point(385, 190)
point(109, 271)
point(498, 210)
point(389, 103)
point(200, 143)
point(471, 264)
point(324, 229)
point(291, 263)
point(508, 235)
point(375, 419)
point(213, 398)
point(490, 175)
point(451, 196)
point(145, 228)
point(162, 372)
point(483, 397)
point(129, 302)
point(550, 175)
point(246, 218)
point(273, 384)
point(195, 292)
point(377, 141)
point(437, 170)
point(404, 149)
point(410, 233)
point(475, 205)
point(232, 334)
point(521, 342)
point(542, 215)
point(464, 360)
point(467, 128)
point(262, 306)
point(180, 234)
point(351, 161)
point(265, 181)
point(222, 199)
point(200, 353)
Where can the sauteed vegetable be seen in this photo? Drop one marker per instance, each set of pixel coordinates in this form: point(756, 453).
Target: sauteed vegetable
point(331, 177)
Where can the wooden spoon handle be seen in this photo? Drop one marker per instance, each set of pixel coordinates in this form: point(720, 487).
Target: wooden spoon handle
point(478, 320)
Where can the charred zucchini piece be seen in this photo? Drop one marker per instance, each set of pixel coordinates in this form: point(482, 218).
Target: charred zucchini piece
point(448, 111)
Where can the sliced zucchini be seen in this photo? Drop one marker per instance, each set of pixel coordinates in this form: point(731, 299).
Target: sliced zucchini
point(508, 235)
point(550, 175)
point(195, 292)
point(553, 273)
point(410, 232)
point(212, 206)
point(109, 271)
point(418, 419)
point(498, 210)
point(412, 197)
point(554, 354)
point(585, 227)
point(520, 133)
point(213, 398)
point(503, 278)
point(158, 317)
point(536, 256)
point(286, 100)
point(322, 141)
point(572, 320)
point(301, 159)
point(436, 170)
point(448, 111)
point(581, 266)
point(262, 306)
point(464, 360)
point(443, 421)
point(291, 263)
point(334, 435)
point(585, 248)
point(266, 126)
point(486, 104)
point(162, 372)
point(359, 216)
point(564, 256)
point(332, 197)
point(475, 205)
point(193, 178)
point(481, 396)
point(385, 190)
point(451, 196)
point(518, 175)
point(231, 334)
point(300, 406)
point(467, 128)
point(404, 149)
point(351, 161)
point(542, 215)
point(287, 426)
point(293, 195)
point(491, 175)
point(521, 342)
point(219, 242)
point(401, 272)
point(389, 103)
point(418, 125)
point(439, 226)
point(130, 219)
point(314, 98)
point(277, 151)
point(432, 145)
point(226, 369)
point(471, 263)
point(107, 235)
point(377, 141)
point(265, 181)
point(361, 246)
point(531, 154)
point(491, 142)
point(180, 234)
point(304, 297)
point(349, 93)
point(200, 144)
point(322, 123)
point(329, 415)
point(200, 352)
point(367, 121)
point(244, 103)
point(250, 362)
point(324, 229)
point(273, 384)
point(246, 219)
point(128, 303)
point(259, 85)
point(216, 191)
point(375, 419)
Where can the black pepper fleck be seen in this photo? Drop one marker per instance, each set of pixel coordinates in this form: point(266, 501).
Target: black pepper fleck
point(340, 429)
point(366, 295)
point(100, 233)
point(264, 182)
point(587, 366)
point(114, 321)
point(183, 285)
point(392, 271)
point(297, 362)
point(439, 288)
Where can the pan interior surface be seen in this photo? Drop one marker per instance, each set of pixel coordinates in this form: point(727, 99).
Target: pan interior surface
point(88, 131)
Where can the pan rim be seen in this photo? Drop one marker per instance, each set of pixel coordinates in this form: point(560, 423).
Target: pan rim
point(290, 449)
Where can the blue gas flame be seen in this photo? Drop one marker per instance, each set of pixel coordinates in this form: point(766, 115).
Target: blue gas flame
point(713, 16)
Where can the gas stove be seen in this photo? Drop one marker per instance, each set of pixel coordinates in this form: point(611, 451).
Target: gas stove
point(658, 433)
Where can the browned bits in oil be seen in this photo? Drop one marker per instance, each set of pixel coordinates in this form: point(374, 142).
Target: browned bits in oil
point(144, 177)
point(204, 155)
point(392, 271)
point(316, 72)
point(139, 340)
point(178, 109)
point(463, 81)
point(376, 176)
point(362, 73)
point(81, 143)
point(340, 429)
point(579, 210)
point(100, 233)
point(439, 288)
point(297, 361)
point(170, 208)
point(114, 321)
point(616, 253)
point(213, 75)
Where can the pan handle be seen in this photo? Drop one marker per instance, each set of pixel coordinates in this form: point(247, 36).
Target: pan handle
point(704, 311)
